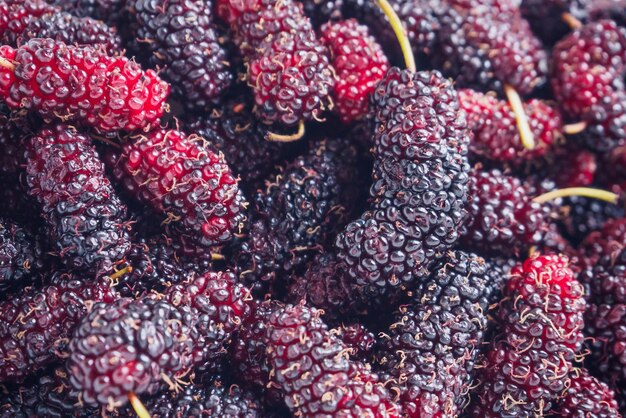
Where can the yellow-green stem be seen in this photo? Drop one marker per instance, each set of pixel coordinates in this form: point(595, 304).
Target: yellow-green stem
point(121, 272)
point(398, 29)
point(575, 128)
point(139, 407)
point(525, 133)
point(274, 137)
point(578, 191)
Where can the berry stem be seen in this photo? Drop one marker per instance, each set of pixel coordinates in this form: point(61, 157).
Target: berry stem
point(575, 128)
point(274, 137)
point(121, 272)
point(5, 63)
point(139, 407)
point(578, 191)
point(398, 29)
point(525, 133)
point(216, 257)
point(571, 21)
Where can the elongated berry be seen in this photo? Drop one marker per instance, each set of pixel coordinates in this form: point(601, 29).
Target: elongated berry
point(85, 220)
point(115, 94)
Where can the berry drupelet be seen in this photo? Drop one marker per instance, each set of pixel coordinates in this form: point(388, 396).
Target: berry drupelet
point(36, 324)
point(502, 215)
point(310, 366)
point(433, 343)
point(359, 63)
point(495, 135)
point(233, 130)
point(587, 397)
point(527, 367)
point(181, 37)
point(115, 94)
point(21, 255)
point(298, 213)
point(182, 179)
point(86, 221)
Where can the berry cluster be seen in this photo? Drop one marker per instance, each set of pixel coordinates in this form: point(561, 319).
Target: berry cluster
point(313, 223)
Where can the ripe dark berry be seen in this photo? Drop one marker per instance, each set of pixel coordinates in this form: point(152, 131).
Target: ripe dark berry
point(233, 130)
point(295, 216)
point(291, 77)
point(71, 30)
point(587, 397)
point(584, 215)
point(359, 63)
point(105, 10)
point(15, 16)
point(130, 345)
point(184, 181)
point(432, 345)
point(182, 39)
point(322, 11)
point(494, 128)
point(502, 216)
point(416, 218)
point(36, 324)
point(21, 255)
point(312, 369)
point(486, 50)
point(527, 367)
point(86, 221)
point(115, 93)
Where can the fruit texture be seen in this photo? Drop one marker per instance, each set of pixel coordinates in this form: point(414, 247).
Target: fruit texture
point(494, 128)
point(71, 30)
point(233, 130)
point(405, 103)
point(322, 11)
point(105, 10)
point(588, 66)
point(21, 255)
point(85, 220)
point(295, 216)
point(587, 397)
point(183, 42)
point(130, 345)
point(432, 345)
point(115, 93)
point(584, 215)
point(486, 50)
point(311, 368)
point(217, 399)
point(416, 217)
point(292, 78)
point(183, 180)
point(527, 367)
point(222, 305)
point(37, 323)
point(359, 63)
point(422, 20)
point(15, 16)
point(502, 215)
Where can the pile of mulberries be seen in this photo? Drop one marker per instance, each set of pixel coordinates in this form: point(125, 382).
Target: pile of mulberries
point(307, 208)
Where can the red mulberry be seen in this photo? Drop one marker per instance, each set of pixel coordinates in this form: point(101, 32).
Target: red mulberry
point(359, 63)
point(526, 369)
point(312, 369)
point(587, 397)
point(183, 41)
point(36, 324)
point(16, 15)
point(115, 94)
point(180, 178)
point(85, 219)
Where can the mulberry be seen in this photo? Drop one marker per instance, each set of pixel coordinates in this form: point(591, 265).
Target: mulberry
point(179, 177)
point(36, 324)
point(526, 369)
point(116, 95)
point(85, 219)
point(183, 41)
point(587, 397)
point(21, 255)
point(314, 373)
point(16, 15)
point(432, 346)
point(359, 63)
